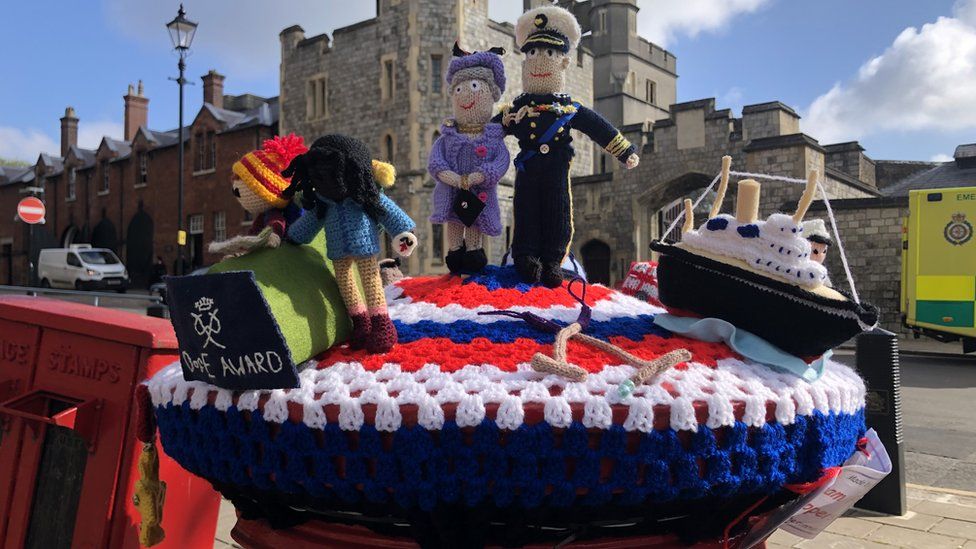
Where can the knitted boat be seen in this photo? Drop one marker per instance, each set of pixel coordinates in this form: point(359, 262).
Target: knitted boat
point(759, 275)
point(455, 416)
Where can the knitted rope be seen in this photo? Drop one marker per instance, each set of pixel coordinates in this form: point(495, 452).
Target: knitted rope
point(558, 364)
point(651, 368)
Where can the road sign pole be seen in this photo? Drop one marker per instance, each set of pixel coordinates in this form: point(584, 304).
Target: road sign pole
point(877, 362)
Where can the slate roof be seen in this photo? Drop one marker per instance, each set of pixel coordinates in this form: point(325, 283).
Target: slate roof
point(13, 175)
point(119, 147)
point(946, 174)
point(87, 156)
point(265, 114)
point(56, 163)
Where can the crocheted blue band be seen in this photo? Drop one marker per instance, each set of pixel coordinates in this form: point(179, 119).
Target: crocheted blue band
point(531, 466)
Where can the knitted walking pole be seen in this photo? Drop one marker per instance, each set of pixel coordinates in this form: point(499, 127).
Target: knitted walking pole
point(558, 364)
point(649, 369)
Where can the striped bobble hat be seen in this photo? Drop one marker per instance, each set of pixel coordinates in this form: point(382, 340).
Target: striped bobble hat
point(261, 170)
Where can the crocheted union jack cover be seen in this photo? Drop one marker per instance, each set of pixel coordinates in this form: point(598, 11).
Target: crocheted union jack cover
point(455, 413)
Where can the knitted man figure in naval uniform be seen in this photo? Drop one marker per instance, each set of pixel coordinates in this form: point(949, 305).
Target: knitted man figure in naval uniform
point(340, 187)
point(541, 119)
point(258, 185)
point(470, 155)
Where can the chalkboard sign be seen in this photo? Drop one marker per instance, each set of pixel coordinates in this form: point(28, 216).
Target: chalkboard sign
point(227, 335)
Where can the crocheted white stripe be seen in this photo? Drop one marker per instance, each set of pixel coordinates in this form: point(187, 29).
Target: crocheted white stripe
point(616, 305)
point(350, 386)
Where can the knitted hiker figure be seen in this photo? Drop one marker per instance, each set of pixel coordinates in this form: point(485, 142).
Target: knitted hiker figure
point(541, 119)
point(469, 158)
point(258, 185)
point(340, 188)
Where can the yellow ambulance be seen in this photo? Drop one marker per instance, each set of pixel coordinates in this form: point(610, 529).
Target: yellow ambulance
point(938, 275)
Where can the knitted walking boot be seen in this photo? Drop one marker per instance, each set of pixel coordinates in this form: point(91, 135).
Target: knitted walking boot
point(455, 259)
point(383, 334)
point(552, 275)
point(360, 331)
point(475, 261)
point(528, 268)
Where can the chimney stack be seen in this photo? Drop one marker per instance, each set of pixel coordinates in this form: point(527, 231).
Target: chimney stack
point(69, 131)
point(136, 111)
point(213, 88)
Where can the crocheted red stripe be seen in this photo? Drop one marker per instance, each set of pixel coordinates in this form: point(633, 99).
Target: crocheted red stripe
point(447, 290)
point(452, 356)
point(248, 163)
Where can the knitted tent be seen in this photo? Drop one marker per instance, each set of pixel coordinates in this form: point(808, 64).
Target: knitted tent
point(454, 414)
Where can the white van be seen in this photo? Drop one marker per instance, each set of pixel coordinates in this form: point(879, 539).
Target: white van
point(82, 267)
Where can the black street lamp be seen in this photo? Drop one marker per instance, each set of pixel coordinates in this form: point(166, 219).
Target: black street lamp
point(181, 31)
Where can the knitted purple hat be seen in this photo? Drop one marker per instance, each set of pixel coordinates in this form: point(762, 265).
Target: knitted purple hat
point(489, 62)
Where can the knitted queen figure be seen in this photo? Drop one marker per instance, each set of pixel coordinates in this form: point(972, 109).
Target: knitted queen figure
point(470, 155)
point(340, 188)
point(541, 119)
point(258, 186)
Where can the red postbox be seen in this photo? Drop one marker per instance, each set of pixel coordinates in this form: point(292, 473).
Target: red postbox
point(68, 453)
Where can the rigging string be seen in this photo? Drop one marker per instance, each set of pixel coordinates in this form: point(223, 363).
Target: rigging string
point(830, 216)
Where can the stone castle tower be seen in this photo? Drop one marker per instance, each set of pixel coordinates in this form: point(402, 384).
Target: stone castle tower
point(381, 80)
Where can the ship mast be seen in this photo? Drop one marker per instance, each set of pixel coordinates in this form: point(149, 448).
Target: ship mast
point(804, 204)
point(723, 185)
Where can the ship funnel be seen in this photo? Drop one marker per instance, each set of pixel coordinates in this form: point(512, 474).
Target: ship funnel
point(747, 201)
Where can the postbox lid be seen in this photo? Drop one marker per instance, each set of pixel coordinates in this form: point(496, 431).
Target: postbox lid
point(110, 324)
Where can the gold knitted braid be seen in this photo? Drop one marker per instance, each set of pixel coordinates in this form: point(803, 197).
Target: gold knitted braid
point(369, 274)
point(346, 280)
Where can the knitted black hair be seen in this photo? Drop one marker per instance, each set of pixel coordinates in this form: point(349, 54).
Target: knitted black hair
point(336, 167)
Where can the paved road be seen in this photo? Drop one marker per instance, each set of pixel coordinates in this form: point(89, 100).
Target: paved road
point(939, 414)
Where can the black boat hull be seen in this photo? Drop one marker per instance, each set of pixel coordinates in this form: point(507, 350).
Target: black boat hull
point(795, 320)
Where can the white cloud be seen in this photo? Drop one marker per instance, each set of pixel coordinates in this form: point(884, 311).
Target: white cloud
point(26, 145)
point(661, 21)
point(941, 157)
point(241, 34)
point(90, 133)
point(926, 80)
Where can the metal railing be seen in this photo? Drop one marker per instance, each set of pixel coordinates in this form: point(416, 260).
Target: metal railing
point(94, 296)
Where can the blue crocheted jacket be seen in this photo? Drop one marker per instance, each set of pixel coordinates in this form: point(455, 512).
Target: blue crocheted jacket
point(349, 231)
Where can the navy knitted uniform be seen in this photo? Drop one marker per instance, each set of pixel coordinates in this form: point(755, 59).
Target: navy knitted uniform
point(543, 201)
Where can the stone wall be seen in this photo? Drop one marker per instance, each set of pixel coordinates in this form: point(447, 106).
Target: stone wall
point(870, 230)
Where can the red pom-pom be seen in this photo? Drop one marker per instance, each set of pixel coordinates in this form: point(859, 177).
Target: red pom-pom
point(286, 148)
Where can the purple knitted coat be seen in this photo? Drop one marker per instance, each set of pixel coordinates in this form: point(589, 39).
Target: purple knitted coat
point(463, 155)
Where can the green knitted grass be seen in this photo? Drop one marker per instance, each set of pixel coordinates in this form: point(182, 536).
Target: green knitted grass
point(301, 291)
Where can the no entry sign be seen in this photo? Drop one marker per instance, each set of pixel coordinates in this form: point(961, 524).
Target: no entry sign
point(31, 210)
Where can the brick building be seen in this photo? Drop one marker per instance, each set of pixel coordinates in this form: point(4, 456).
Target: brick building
point(123, 194)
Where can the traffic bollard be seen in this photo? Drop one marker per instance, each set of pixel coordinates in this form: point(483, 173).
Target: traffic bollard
point(877, 362)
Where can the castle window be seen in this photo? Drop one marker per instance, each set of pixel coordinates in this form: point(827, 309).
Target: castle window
point(436, 73)
point(437, 244)
point(602, 22)
point(317, 98)
point(649, 91)
point(579, 57)
point(389, 148)
point(220, 226)
point(387, 77)
point(632, 83)
point(70, 192)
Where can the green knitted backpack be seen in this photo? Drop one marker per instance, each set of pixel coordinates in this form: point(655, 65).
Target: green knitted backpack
point(299, 285)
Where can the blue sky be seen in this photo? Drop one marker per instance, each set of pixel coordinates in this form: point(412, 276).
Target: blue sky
point(913, 101)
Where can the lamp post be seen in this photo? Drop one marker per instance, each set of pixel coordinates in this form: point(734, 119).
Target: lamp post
point(181, 31)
